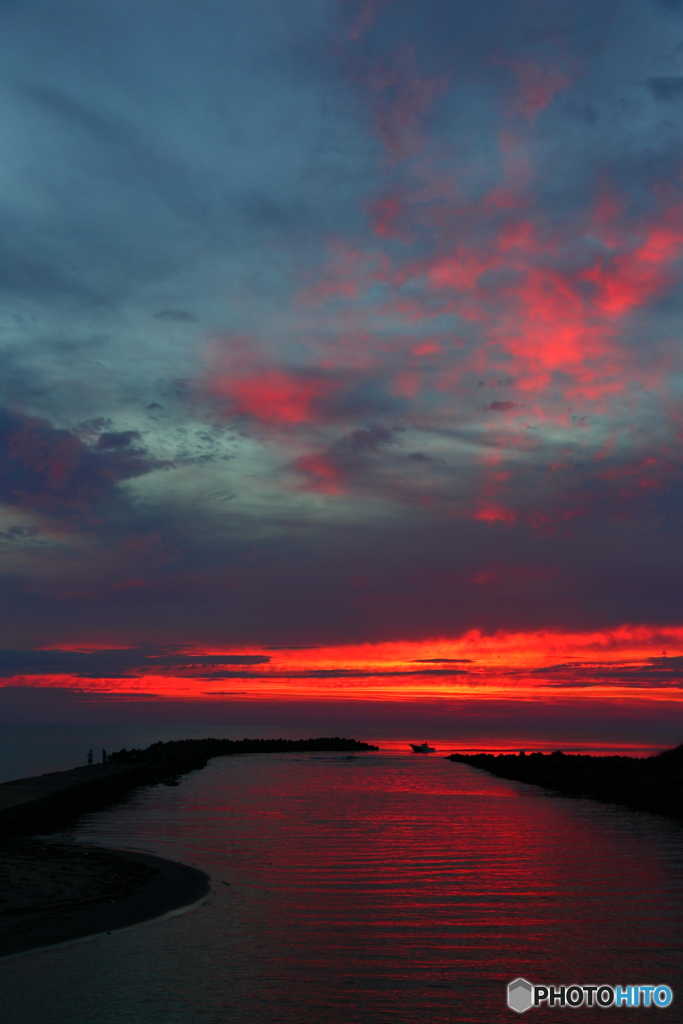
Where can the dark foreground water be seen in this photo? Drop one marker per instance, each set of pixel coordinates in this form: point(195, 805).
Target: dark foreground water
point(382, 888)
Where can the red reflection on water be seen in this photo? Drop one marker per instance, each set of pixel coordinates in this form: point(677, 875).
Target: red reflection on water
point(403, 888)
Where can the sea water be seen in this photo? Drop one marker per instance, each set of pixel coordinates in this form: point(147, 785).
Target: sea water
point(27, 750)
point(383, 887)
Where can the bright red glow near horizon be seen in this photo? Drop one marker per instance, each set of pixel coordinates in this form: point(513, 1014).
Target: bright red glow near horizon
point(630, 664)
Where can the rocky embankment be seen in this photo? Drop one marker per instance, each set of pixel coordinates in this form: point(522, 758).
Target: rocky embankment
point(643, 783)
point(166, 762)
point(45, 803)
point(51, 892)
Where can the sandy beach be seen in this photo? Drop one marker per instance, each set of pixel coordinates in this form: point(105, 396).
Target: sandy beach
point(54, 893)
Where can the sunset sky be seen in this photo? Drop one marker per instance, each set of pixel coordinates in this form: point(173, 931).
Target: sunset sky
point(340, 355)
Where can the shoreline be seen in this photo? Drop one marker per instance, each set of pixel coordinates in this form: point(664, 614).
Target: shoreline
point(54, 894)
point(41, 804)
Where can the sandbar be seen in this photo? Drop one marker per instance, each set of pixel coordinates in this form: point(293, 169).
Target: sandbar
point(55, 892)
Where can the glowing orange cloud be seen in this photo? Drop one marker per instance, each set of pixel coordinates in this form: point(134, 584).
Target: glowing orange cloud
point(619, 664)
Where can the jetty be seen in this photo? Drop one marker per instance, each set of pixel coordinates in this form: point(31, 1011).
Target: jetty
point(45, 803)
point(53, 892)
point(652, 784)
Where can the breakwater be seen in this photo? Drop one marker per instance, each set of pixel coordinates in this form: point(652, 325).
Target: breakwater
point(49, 802)
point(652, 784)
point(166, 762)
point(45, 803)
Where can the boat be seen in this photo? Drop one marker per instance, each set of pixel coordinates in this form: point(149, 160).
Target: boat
point(422, 748)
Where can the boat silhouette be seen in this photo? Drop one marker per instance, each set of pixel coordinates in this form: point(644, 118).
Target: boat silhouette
point(422, 748)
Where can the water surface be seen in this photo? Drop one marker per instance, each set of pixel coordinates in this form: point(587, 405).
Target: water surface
point(381, 888)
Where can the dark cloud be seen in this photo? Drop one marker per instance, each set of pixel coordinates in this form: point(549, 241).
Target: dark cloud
point(339, 673)
point(503, 406)
point(290, 647)
point(370, 439)
point(112, 664)
point(225, 693)
point(52, 471)
point(656, 672)
point(666, 88)
point(415, 577)
point(125, 662)
point(176, 316)
point(123, 439)
point(443, 661)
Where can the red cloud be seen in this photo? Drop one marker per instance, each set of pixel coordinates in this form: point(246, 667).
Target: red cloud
point(54, 472)
point(389, 218)
point(274, 396)
point(320, 474)
point(248, 382)
point(537, 86)
point(401, 102)
point(548, 303)
point(349, 273)
point(496, 514)
point(365, 17)
point(55, 455)
point(628, 279)
point(540, 309)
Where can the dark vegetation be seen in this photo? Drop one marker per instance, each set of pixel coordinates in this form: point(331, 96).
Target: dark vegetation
point(166, 762)
point(643, 783)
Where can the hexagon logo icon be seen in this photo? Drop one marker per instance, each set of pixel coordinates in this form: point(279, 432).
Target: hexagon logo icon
point(520, 995)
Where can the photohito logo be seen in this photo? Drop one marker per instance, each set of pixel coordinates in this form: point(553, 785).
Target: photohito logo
point(522, 995)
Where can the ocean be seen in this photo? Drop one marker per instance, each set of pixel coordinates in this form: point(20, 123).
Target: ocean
point(383, 887)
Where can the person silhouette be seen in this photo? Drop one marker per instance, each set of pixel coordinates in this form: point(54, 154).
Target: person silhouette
point(90, 756)
point(104, 756)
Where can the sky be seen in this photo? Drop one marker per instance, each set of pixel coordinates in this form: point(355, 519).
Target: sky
point(340, 355)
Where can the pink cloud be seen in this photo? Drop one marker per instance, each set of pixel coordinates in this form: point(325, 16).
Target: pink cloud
point(365, 17)
point(537, 86)
point(401, 101)
point(274, 396)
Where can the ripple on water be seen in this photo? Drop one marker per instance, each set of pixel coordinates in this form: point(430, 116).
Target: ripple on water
point(381, 889)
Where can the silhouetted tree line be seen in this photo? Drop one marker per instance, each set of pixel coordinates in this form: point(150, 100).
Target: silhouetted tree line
point(642, 783)
point(165, 762)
